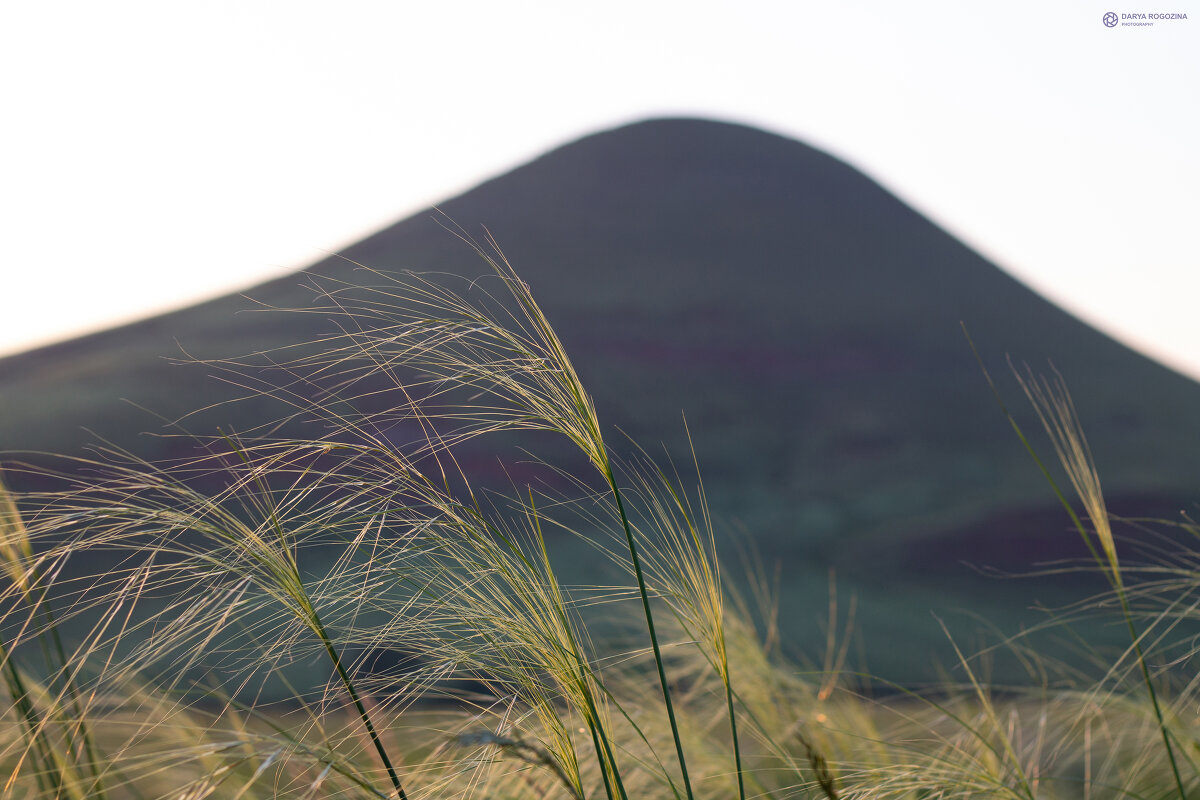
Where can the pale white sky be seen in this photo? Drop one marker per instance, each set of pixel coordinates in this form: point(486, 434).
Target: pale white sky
point(156, 153)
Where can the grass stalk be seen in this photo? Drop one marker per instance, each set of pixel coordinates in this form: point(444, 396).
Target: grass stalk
point(313, 619)
point(658, 658)
point(733, 734)
point(1057, 413)
point(348, 683)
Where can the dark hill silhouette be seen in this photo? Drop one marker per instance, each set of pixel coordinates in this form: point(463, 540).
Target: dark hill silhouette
point(806, 320)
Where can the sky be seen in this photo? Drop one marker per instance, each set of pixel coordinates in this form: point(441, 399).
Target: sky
point(154, 154)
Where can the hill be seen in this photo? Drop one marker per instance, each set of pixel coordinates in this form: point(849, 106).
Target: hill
point(807, 322)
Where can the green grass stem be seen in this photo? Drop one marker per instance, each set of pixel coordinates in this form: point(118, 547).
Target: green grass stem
point(658, 659)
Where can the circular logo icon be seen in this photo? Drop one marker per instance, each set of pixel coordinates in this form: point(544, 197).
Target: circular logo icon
point(1110, 20)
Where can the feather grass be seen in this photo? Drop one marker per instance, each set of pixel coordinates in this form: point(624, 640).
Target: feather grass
point(235, 644)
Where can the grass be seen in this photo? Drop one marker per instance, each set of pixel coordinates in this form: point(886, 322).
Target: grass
point(449, 659)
